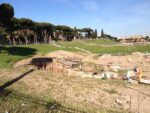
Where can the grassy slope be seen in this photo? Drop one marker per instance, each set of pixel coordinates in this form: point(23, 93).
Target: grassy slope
point(117, 49)
point(98, 47)
point(101, 42)
point(10, 54)
point(82, 43)
point(7, 57)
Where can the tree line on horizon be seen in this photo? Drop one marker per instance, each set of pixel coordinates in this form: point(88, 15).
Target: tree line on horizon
point(14, 31)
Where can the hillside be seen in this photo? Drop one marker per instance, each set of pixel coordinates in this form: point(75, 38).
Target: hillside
point(10, 54)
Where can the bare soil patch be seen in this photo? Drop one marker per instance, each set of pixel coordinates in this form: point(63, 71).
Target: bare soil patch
point(84, 92)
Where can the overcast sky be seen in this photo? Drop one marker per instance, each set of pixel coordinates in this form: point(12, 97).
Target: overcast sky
point(116, 17)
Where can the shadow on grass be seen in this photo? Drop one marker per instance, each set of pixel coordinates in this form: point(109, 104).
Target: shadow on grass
point(20, 51)
point(9, 83)
point(51, 106)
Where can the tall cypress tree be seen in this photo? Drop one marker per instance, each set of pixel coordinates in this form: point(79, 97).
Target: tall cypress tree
point(96, 33)
point(102, 34)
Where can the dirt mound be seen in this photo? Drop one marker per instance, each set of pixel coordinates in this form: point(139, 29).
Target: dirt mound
point(125, 62)
point(93, 58)
point(65, 54)
point(134, 59)
point(26, 61)
point(58, 54)
point(22, 62)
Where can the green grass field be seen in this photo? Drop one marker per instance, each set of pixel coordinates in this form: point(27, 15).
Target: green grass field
point(10, 54)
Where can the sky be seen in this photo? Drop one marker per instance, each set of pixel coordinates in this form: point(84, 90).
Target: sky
point(116, 17)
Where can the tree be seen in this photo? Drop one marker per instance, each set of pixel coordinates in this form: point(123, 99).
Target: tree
point(147, 38)
point(45, 31)
point(88, 32)
point(3, 35)
point(96, 35)
point(24, 31)
point(76, 33)
point(25, 23)
point(65, 31)
point(102, 34)
point(6, 13)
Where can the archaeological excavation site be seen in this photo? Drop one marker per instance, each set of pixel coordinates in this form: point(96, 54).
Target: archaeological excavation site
point(114, 82)
point(74, 56)
point(92, 65)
